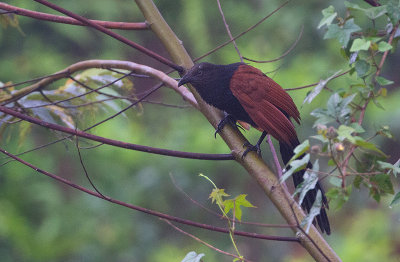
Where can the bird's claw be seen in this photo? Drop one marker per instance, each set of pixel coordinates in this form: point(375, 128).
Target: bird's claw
point(256, 148)
point(227, 119)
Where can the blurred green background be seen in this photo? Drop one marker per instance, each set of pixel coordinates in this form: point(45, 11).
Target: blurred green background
point(42, 220)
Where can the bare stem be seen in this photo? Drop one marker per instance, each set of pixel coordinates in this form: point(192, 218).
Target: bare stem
point(229, 31)
point(71, 21)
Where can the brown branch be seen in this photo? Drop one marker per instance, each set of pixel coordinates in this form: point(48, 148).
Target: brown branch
point(28, 81)
point(112, 34)
point(386, 52)
point(105, 64)
point(254, 165)
point(151, 91)
point(84, 168)
point(225, 217)
point(112, 142)
point(71, 21)
point(145, 210)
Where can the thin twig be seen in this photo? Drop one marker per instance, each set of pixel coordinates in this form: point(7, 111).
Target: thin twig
point(147, 149)
point(311, 85)
point(151, 91)
point(113, 34)
point(284, 54)
point(85, 170)
point(229, 31)
point(225, 217)
point(203, 242)
point(145, 210)
point(31, 80)
point(243, 33)
point(386, 52)
point(71, 21)
point(127, 65)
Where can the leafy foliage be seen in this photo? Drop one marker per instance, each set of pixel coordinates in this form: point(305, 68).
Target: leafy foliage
point(235, 204)
point(91, 92)
point(340, 124)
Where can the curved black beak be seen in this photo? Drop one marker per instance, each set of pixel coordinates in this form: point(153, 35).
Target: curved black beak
point(184, 80)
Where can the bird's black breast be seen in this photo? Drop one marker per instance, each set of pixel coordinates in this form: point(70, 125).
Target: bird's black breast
point(215, 90)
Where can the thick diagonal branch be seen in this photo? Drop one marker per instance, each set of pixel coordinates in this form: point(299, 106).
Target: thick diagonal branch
point(256, 167)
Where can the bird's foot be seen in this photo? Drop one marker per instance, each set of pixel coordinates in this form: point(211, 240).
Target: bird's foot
point(227, 119)
point(256, 148)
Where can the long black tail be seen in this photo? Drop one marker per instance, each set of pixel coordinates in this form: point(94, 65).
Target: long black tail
point(322, 219)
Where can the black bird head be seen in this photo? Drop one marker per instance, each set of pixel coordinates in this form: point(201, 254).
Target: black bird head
point(197, 74)
point(208, 75)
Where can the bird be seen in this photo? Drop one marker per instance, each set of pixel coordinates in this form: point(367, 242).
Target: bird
point(247, 95)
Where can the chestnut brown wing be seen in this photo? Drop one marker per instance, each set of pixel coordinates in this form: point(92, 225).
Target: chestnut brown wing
point(265, 101)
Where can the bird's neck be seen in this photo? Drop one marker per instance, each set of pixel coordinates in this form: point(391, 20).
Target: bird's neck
point(215, 89)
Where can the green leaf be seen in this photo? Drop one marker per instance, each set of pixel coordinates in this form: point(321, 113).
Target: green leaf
point(357, 128)
point(339, 196)
point(329, 14)
point(314, 211)
point(345, 132)
point(350, 5)
point(342, 33)
point(359, 141)
point(371, 13)
point(383, 46)
point(375, 12)
point(335, 181)
point(362, 68)
point(395, 200)
point(295, 166)
point(216, 195)
point(389, 168)
point(310, 180)
point(360, 44)
point(393, 10)
point(357, 181)
point(316, 90)
point(337, 110)
point(300, 150)
point(193, 257)
point(236, 204)
point(385, 131)
point(383, 184)
point(323, 117)
point(383, 81)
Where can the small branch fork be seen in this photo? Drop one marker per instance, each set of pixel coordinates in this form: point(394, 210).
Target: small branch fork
point(71, 21)
point(145, 210)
